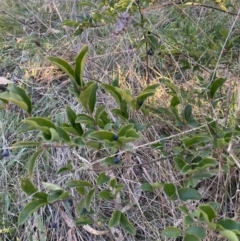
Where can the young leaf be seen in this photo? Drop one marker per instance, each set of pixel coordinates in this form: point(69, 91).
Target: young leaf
point(79, 68)
point(115, 218)
point(124, 95)
point(126, 225)
point(171, 232)
point(29, 209)
point(31, 163)
point(89, 199)
point(230, 235)
point(88, 96)
point(189, 194)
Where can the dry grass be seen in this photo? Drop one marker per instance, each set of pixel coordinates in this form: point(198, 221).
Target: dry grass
point(110, 56)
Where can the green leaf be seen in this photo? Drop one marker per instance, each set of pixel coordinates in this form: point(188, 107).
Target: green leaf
point(79, 68)
point(89, 199)
point(174, 101)
point(126, 225)
point(83, 221)
point(189, 194)
point(106, 194)
point(124, 95)
point(170, 190)
point(152, 41)
point(143, 96)
point(70, 23)
point(189, 141)
point(52, 187)
point(115, 218)
point(123, 131)
point(64, 66)
point(78, 183)
point(31, 163)
point(67, 167)
point(80, 206)
point(216, 84)
point(103, 178)
point(82, 118)
point(171, 232)
point(88, 96)
point(230, 235)
point(27, 186)
point(29, 209)
point(196, 230)
point(57, 196)
point(147, 187)
point(184, 209)
point(229, 224)
point(72, 117)
point(188, 220)
point(188, 112)
point(16, 99)
point(102, 135)
point(113, 92)
point(26, 144)
point(41, 124)
point(208, 213)
point(63, 135)
point(190, 237)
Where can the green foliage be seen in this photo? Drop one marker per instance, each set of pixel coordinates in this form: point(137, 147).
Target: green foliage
point(195, 157)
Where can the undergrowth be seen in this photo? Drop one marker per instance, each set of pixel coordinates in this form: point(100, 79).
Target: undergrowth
point(171, 69)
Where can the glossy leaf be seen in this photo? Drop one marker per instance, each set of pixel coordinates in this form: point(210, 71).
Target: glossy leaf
point(189, 194)
point(171, 232)
point(229, 224)
point(29, 209)
point(79, 67)
point(32, 161)
point(126, 225)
